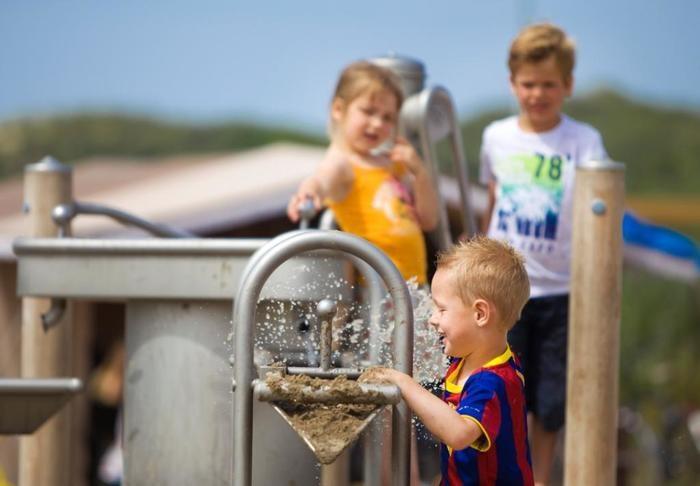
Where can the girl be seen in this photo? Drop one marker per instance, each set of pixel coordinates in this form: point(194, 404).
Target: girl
point(375, 184)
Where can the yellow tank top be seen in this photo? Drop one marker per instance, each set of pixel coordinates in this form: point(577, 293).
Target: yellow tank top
point(380, 209)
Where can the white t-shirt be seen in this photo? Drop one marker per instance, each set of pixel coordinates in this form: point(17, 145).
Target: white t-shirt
point(534, 176)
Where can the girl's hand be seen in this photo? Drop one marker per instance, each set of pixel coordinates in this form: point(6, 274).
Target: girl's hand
point(404, 153)
point(307, 191)
point(424, 191)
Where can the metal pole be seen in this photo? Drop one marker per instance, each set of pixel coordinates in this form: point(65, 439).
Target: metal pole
point(326, 310)
point(261, 267)
point(45, 457)
point(372, 437)
point(594, 325)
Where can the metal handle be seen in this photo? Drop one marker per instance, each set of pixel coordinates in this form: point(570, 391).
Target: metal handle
point(63, 214)
point(307, 211)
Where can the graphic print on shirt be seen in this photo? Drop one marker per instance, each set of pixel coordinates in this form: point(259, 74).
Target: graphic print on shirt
point(395, 202)
point(531, 187)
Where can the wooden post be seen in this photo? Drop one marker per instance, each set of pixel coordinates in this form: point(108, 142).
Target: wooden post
point(10, 331)
point(45, 456)
point(594, 325)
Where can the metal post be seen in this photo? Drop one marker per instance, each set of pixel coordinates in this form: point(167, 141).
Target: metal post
point(372, 438)
point(338, 472)
point(45, 457)
point(326, 311)
point(594, 325)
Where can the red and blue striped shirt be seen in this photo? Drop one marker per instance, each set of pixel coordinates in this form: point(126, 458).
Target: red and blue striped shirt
point(493, 397)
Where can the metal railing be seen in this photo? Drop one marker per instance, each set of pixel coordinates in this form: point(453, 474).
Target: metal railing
point(63, 214)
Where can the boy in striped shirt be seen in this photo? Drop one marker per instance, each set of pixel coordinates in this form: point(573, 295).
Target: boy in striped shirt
point(478, 291)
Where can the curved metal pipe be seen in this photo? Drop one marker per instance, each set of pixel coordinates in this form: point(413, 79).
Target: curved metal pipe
point(52, 317)
point(431, 116)
point(63, 214)
point(258, 271)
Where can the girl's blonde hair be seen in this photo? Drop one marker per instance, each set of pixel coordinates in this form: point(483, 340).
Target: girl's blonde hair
point(537, 43)
point(363, 77)
point(484, 268)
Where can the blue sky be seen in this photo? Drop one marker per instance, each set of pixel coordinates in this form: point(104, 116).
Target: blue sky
point(277, 61)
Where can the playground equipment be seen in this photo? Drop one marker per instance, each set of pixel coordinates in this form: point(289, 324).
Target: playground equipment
point(177, 295)
point(178, 406)
point(178, 425)
point(260, 268)
point(25, 403)
point(594, 324)
point(179, 410)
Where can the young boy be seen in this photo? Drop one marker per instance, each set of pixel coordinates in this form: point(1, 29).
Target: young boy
point(528, 162)
point(478, 291)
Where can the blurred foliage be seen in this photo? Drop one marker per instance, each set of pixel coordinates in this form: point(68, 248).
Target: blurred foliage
point(72, 137)
point(660, 340)
point(659, 146)
point(660, 336)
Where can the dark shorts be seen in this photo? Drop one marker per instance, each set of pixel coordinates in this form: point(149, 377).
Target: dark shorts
point(539, 341)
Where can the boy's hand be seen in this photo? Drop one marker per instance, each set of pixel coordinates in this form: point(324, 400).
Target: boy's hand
point(379, 374)
point(404, 153)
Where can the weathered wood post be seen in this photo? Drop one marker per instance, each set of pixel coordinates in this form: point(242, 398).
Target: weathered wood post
point(594, 325)
point(45, 456)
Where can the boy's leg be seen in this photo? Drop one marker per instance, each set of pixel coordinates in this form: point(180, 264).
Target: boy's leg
point(543, 442)
point(549, 404)
point(520, 341)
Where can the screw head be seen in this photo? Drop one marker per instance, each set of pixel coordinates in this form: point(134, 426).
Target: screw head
point(599, 207)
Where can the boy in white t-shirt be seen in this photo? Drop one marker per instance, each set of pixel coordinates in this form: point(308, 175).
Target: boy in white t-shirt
point(528, 162)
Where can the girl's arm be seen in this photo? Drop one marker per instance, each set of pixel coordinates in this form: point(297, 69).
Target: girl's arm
point(448, 426)
point(332, 179)
point(423, 187)
point(486, 217)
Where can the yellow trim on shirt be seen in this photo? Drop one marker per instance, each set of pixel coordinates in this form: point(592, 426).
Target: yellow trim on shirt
point(499, 360)
point(451, 380)
point(483, 442)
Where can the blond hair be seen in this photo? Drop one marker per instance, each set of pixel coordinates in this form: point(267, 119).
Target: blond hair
point(484, 268)
point(363, 77)
point(539, 42)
